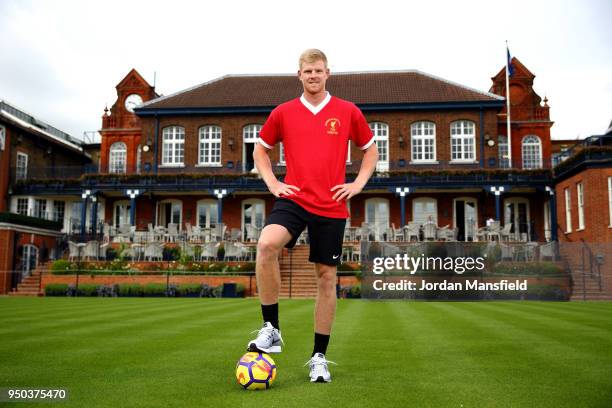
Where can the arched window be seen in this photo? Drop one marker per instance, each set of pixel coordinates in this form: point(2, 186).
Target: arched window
point(381, 138)
point(532, 152)
point(208, 212)
point(463, 137)
point(423, 141)
point(117, 158)
point(173, 146)
point(424, 209)
point(210, 146)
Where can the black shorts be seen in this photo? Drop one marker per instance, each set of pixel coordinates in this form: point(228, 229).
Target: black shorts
point(325, 234)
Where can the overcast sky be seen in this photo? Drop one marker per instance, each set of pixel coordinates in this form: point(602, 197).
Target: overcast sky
point(60, 60)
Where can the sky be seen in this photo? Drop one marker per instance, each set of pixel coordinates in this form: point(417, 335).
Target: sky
point(61, 60)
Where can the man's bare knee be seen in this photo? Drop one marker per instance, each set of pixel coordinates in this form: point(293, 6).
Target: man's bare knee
point(268, 249)
point(326, 280)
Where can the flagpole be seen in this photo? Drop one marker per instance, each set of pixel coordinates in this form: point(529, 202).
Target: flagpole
point(508, 106)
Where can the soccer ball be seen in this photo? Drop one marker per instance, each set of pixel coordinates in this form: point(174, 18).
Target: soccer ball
point(255, 371)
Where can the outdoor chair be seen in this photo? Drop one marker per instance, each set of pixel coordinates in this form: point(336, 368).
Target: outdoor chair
point(505, 232)
point(232, 252)
point(429, 231)
point(73, 251)
point(91, 250)
point(209, 251)
point(154, 251)
point(494, 231)
point(172, 234)
point(412, 230)
point(125, 233)
point(398, 233)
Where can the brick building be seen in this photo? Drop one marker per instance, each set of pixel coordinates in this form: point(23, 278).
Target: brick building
point(30, 223)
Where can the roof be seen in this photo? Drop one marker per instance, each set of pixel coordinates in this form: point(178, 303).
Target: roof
point(362, 88)
point(30, 123)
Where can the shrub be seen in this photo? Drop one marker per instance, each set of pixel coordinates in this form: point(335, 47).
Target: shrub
point(56, 289)
point(529, 268)
point(62, 266)
point(111, 254)
point(240, 290)
point(172, 254)
point(155, 289)
point(355, 292)
point(83, 290)
point(190, 290)
point(130, 290)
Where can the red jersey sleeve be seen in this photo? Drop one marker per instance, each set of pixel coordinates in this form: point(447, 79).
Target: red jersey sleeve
point(361, 134)
point(270, 132)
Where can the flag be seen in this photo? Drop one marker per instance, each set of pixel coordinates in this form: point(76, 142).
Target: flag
point(509, 62)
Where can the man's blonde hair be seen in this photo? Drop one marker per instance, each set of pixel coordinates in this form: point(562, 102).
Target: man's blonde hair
point(312, 55)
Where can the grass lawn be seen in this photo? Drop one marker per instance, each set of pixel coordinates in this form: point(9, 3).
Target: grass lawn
point(157, 352)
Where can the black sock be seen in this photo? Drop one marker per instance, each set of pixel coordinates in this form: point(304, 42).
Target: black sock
point(270, 314)
point(320, 343)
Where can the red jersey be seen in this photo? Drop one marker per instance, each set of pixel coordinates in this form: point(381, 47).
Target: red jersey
point(315, 140)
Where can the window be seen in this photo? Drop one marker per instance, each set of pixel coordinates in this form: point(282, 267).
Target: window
point(75, 216)
point(377, 214)
point(21, 170)
point(22, 206)
point(121, 213)
point(281, 156)
point(532, 152)
point(568, 211)
point(40, 208)
point(173, 147)
point(210, 146)
point(517, 213)
point(138, 159)
point(610, 198)
point(424, 209)
point(250, 133)
point(463, 136)
point(170, 212)
point(117, 158)
point(381, 138)
point(423, 141)
point(253, 215)
point(502, 152)
point(580, 194)
point(59, 210)
point(207, 213)
point(2, 137)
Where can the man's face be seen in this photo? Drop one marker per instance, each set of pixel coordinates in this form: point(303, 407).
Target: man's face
point(313, 76)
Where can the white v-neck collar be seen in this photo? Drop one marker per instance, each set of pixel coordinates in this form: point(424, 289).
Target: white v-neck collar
point(319, 107)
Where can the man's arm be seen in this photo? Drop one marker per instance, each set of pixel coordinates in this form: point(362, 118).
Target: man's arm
point(368, 165)
point(264, 167)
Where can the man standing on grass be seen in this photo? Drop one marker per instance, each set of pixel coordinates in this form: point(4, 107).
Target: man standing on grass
point(315, 130)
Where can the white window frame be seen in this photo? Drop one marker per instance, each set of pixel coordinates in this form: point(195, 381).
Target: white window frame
point(2, 137)
point(420, 200)
point(138, 159)
point(422, 137)
point(281, 155)
point(531, 152)
point(123, 207)
point(40, 208)
point(470, 229)
point(515, 202)
point(21, 166)
point(580, 195)
point(568, 210)
point(22, 210)
point(209, 146)
point(502, 152)
point(117, 158)
point(174, 202)
point(255, 202)
point(212, 211)
point(250, 134)
point(59, 210)
point(464, 141)
point(380, 224)
point(173, 146)
point(381, 138)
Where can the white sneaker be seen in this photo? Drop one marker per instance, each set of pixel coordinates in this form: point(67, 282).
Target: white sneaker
point(318, 368)
point(268, 340)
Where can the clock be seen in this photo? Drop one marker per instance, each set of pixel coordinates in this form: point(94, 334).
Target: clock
point(132, 101)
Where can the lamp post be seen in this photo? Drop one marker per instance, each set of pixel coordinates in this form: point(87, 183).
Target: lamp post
point(402, 192)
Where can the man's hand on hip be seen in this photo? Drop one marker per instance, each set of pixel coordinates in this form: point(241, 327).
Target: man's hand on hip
point(346, 191)
point(281, 189)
